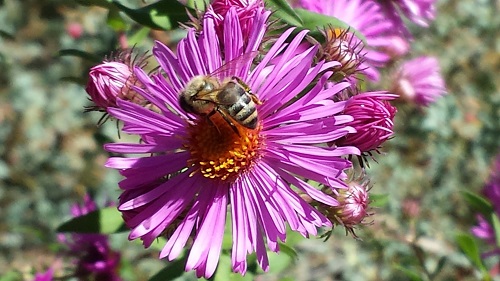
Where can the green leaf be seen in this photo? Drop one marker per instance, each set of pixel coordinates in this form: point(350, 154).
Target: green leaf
point(6, 35)
point(478, 203)
point(100, 3)
point(314, 21)
point(72, 79)
point(115, 20)
point(163, 15)
point(106, 221)
point(469, 246)
point(138, 36)
point(278, 262)
point(413, 275)
point(224, 271)
point(442, 261)
point(197, 4)
point(11, 276)
point(81, 54)
point(173, 270)
point(496, 226)
point(289, 251)
point(283, 11)
point(379, 200)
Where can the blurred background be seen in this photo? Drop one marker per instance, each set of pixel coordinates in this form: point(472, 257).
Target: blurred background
point(51, 151)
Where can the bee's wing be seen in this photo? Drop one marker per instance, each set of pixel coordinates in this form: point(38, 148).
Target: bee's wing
point(234, 66)
point(218, 96)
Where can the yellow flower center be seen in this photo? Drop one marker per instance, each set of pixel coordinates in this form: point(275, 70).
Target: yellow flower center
point(333, 33)
point(218, 151)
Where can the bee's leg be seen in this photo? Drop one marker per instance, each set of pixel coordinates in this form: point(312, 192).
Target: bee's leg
point(210, 121)
point(255, 99)
point(229, 121)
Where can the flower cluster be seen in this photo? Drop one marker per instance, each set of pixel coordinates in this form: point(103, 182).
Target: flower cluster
point(252, 124)
point(484, 228)
point(94, 257)
point(417, 81)
point(91, 254)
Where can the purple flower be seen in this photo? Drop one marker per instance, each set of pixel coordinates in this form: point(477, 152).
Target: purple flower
point(420, 12)
point(491, 191)
point(398, 47)
point(197, 166)
point(113, 79)
point(366, 17)
point(419, 81)
point(247, 10)
point(373, 120)
point(46, 276)
point(353, 208)
point(484, 230)
point(492, 187)
point(95, 258)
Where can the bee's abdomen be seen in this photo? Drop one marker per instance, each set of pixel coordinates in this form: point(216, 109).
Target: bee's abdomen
point(244, 111)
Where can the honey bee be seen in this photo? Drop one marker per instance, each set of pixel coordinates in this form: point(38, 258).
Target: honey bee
point(206, 95)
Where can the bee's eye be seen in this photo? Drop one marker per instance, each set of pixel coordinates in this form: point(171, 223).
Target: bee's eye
point(208, 87)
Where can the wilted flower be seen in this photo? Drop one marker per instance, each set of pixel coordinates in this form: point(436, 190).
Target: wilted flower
point(419, 81)
point(420, 12)
point(95, 258)
point(344, 47)
point(373, 120)
point(201, 165)
point(113, 79)
point(365, 17)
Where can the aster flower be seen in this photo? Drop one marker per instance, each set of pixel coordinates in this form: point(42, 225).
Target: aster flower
point(373, 120)
point(197, 166)
point(419, 81)
point(113, 79)
point(492, 187)
point(491, 191)
point(367, 18)
point(95, 258)
point(420, 12)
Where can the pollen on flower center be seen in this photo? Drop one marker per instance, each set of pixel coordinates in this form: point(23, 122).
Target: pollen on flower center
point(218, 151)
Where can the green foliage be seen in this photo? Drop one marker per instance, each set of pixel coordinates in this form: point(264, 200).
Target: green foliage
point(173, 270)
point(470, 248)
point(105, 221)
point(162, 15)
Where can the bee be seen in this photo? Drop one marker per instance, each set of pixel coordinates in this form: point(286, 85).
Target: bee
point(206, 95)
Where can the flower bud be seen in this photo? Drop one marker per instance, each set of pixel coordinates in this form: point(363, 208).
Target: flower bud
point(245, 9)
point(353, 205)
point(344, 47)
point(112, 80)
point(373, 120)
